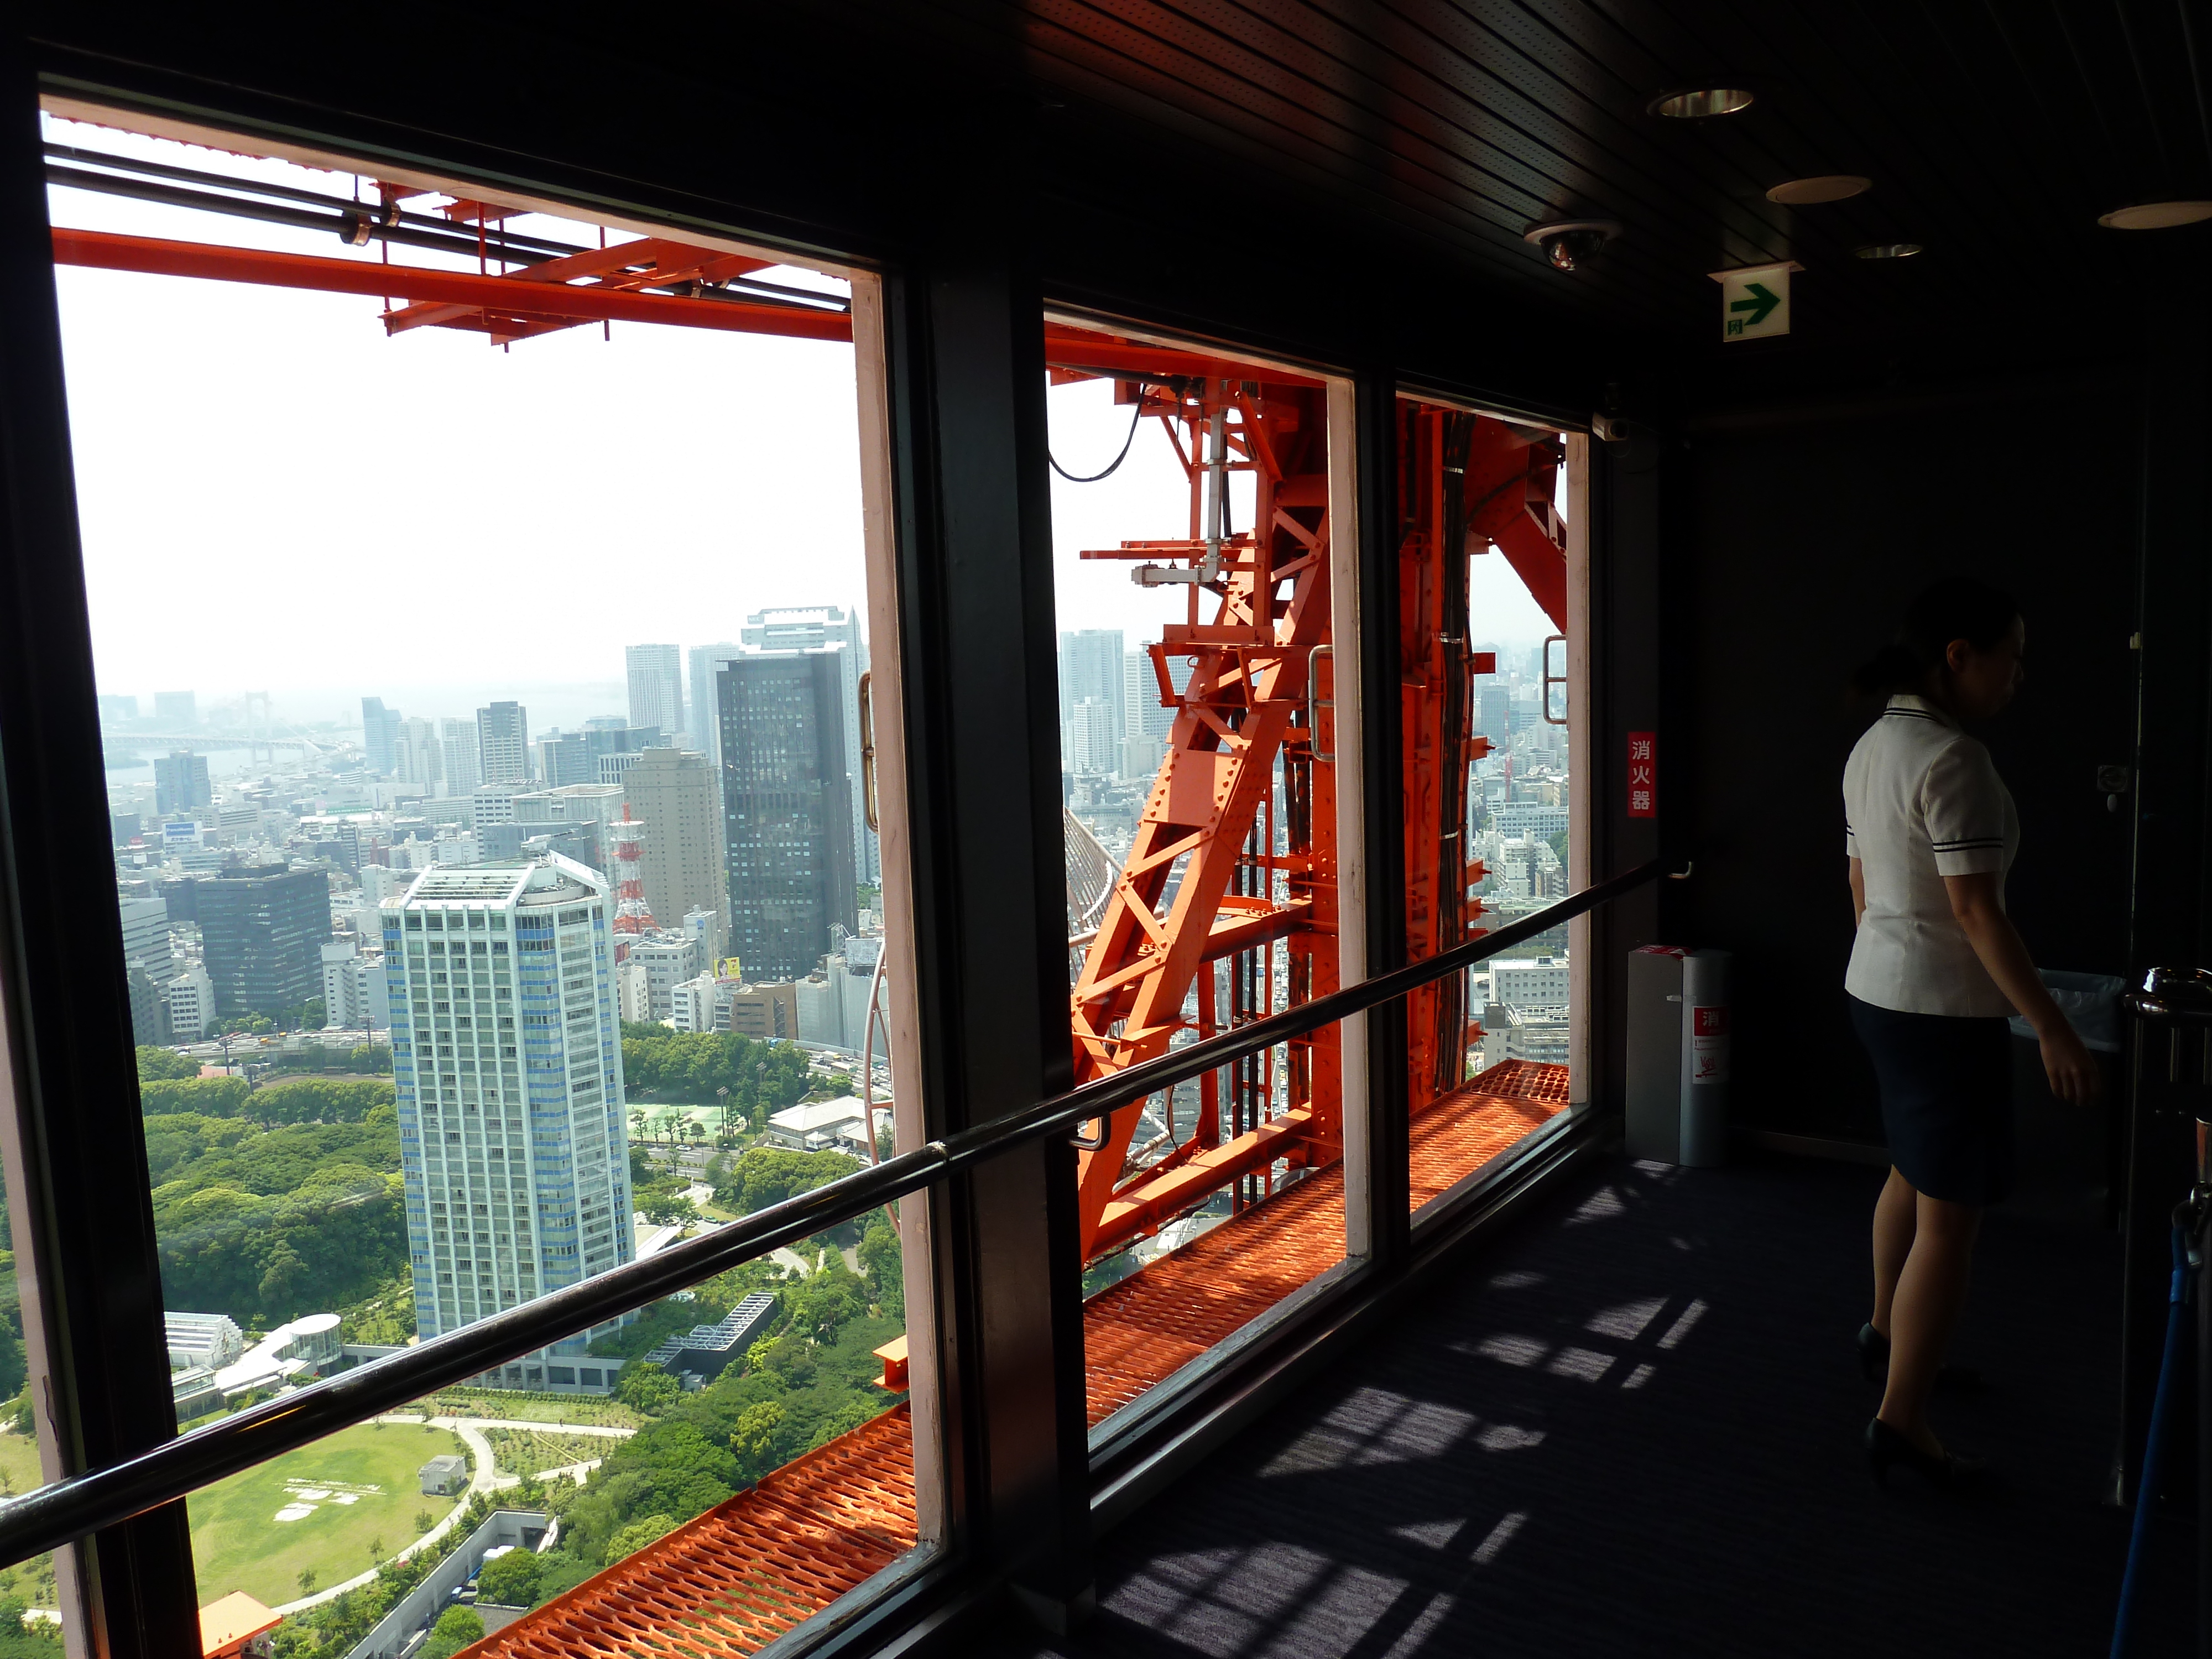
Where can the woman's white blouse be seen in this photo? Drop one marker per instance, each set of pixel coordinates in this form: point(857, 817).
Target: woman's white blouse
point(1921, 801)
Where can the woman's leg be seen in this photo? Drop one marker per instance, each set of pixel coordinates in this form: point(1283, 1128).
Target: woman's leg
point(1930, 1291)
point(1894, 1213)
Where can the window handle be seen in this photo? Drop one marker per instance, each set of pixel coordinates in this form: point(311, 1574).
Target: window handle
point(1316, 702)
point(867, 757)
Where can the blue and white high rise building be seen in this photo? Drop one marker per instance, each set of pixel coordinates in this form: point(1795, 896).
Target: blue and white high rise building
point(507, 1060)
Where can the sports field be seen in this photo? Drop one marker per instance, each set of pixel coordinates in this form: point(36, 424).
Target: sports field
point(317, 1510)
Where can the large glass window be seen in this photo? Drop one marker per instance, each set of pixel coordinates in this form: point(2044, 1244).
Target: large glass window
point(482, 612)
point(1195, 570)
point(1489, 605)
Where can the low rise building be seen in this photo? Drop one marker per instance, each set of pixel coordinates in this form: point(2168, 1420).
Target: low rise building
point(706, 1351)
point(188, 1003)
point(207, 1341)
point(444, 1476)
point(821, 1125)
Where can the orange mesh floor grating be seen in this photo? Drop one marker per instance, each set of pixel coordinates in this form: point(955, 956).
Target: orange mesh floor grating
point(729, 1582)
point(747, 1569)
point(1141, 1331)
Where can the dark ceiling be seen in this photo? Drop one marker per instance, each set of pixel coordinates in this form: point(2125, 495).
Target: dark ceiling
point(1994, 131)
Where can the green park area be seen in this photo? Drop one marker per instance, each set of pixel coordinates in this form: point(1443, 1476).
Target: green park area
point(19, 1463)
point(333, 1509)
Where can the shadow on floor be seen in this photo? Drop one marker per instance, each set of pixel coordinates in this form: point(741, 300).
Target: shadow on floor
point(1631, 1428)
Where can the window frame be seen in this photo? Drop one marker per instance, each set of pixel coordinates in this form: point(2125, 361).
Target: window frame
point(90, 1277)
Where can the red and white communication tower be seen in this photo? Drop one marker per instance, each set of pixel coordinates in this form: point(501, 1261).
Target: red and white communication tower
point(631, 914)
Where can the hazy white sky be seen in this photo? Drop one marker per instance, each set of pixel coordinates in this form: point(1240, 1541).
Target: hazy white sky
point(276, 497)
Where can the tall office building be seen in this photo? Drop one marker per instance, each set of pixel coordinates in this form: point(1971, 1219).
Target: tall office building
point(1092, 668)
point(421, 753)
point(656, 686)
point(149, 962)
point(507, 1060)
point(261, 934)
point(1091, 741)
point(379, 737)
point(811, 628)
point(457, 755)
point(678, 794)
point(117, 708)
point(705, 660)
point(1146, 726)
point(1493, 712)
point(786, 809)
point(176, 706)
point(577, 756)
point(180, 782)
point(503, 744)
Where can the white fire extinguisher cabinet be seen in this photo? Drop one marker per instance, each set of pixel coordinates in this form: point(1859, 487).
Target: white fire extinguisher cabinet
point(1678, 1055)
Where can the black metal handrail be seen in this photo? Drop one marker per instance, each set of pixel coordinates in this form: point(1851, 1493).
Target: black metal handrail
point(71, 1508)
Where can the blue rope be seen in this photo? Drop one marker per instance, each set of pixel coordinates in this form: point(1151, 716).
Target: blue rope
point(2177, 1319)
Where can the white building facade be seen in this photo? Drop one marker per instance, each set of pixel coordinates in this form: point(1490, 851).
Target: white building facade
point(507, 1060)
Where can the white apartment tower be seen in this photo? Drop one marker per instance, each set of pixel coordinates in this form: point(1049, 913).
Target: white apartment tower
point(507, 1060)
point(457, 747)
point(656, 687)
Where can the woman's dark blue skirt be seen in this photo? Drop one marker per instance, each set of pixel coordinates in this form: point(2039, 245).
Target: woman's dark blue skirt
point(1945, 1099)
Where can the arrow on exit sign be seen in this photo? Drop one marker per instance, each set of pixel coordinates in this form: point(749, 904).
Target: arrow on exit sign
point(1755, 300)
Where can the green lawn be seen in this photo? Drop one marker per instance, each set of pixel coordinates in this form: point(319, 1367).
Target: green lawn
point(554, 1409)
point(240, 1543)
point(525, 1451)
point(19, 1463)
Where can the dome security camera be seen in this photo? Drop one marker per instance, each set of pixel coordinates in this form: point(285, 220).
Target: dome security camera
point(1570, 244)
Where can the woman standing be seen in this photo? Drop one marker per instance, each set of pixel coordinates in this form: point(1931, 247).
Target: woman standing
point(1936, 969)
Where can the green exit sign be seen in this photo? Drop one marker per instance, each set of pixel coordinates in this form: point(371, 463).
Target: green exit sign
point(1755, 300)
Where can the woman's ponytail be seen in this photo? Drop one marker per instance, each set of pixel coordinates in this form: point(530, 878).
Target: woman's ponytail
point(1955, 608)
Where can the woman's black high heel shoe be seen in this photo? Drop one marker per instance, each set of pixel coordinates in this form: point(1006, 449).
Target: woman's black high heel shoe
point(1947, 1470)
point(1874, 1364)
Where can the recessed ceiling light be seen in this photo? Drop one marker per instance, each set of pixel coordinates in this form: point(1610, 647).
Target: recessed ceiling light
point(1828, 187)
point(2156, 216)
point(1888, 250)
point(1698, 103)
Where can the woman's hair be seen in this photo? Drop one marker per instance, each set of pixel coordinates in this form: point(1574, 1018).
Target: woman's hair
point(1955, 608)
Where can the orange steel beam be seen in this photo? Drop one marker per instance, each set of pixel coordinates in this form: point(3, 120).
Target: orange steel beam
point(1466, 481)
point(509, 295)
point(1150, 1202)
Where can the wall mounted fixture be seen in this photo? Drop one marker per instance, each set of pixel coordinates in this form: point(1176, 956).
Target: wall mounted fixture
point(1828, 187)
point(1571, 244)
point(1888, 250)
point(1699, 103)
point(2156, 216)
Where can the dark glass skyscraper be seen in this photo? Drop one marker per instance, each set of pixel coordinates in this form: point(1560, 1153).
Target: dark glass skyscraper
point(786, 808)
point(262, 934)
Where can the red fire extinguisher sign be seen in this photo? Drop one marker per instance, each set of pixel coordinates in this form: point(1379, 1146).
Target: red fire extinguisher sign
point(1644, 775)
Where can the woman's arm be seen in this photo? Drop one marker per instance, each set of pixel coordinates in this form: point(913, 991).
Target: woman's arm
point(2074, 1075)
point(1858, 892)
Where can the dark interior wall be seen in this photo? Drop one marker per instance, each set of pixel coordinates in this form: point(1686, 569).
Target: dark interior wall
point(1800, 541)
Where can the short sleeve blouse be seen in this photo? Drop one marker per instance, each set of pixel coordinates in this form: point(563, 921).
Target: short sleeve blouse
point(1922, 800)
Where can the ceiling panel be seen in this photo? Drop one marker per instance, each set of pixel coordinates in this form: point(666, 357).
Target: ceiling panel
point(1995, 134)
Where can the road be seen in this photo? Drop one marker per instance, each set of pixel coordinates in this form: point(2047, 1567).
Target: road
point(484, 1477)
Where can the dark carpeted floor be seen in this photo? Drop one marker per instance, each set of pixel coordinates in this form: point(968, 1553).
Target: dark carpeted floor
point(1632, 1427)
